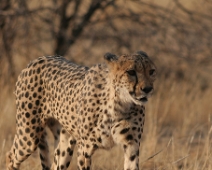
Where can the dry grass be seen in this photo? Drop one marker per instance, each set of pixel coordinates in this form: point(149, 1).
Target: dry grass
point(177, 132)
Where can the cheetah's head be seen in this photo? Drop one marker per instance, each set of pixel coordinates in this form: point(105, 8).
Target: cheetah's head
point(133, 76)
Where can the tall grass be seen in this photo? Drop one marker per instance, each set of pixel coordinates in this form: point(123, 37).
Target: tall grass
point(177, 132)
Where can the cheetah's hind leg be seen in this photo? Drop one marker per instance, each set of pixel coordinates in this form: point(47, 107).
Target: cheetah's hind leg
point(44, 152)
point(64, 151)
point(55, 128)
point(25, 143)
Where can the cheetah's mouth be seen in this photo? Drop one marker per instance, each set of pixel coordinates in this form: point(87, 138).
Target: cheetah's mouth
point(139, 100)
point(143, 99)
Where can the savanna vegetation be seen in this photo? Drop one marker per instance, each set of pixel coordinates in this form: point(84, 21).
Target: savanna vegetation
point(176, 34)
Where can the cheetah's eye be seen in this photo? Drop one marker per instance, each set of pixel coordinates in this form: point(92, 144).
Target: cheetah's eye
point(151, 72)
point(131, 72)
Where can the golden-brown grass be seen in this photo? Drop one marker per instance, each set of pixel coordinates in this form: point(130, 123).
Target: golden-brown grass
point(177, 131)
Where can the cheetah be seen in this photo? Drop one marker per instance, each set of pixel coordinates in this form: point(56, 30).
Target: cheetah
point(92, 108)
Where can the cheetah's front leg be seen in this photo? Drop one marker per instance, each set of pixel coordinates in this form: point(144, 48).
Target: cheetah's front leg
point(125, 135)
point(131, 156)
point(84, 154)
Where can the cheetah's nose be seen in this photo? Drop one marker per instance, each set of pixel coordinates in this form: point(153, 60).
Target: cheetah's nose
point(147, 89)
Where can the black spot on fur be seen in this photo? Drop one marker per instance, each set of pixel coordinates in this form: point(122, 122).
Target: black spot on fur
point(34, 112)
point(86, 155)
point(81, 162)
point(129, 137)
point(39, 89)
point(42, 147)
point(37, 102)
point(58, 152)
point(125, 130)
point(38, 70)
point(27, 130)
point(33, 121)
point(30, 105)
point(21, 153)
point(27, 114)
point(29, 143)
point(27, 94)
point(99, 139)
point(132, 158)
point(63, 153)
point(67, 164)
point(37, 141)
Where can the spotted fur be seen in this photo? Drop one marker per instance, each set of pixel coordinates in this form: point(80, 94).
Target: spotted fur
point(92, 108)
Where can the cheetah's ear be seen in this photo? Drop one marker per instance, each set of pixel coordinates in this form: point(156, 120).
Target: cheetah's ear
point(110, 57)
point(142, 53)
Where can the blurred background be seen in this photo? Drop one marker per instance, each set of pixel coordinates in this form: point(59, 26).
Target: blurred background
point(176, 34)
